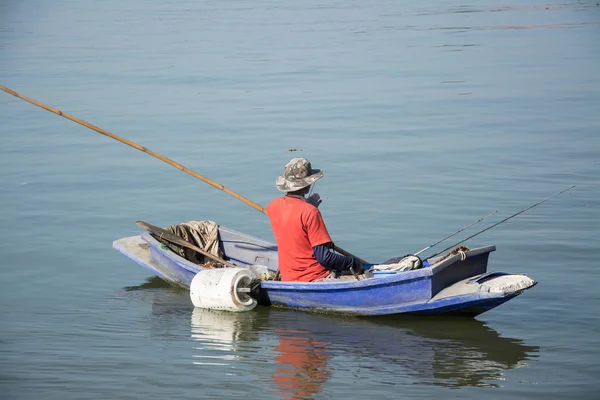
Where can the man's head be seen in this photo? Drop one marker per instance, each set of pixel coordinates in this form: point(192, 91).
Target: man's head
point(297, 175)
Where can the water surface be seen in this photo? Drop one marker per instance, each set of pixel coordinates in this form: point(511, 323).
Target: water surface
point(425, 117)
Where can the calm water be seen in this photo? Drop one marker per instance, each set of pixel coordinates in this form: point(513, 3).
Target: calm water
point(425, 117)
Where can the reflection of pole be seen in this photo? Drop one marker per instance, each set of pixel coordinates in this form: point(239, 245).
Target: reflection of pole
point(302, 363)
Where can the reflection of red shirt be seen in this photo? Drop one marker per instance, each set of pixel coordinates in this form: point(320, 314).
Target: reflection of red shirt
point(298, 227)
point(302, 365)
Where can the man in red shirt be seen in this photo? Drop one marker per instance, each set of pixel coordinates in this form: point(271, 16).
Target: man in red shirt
point(304, 246)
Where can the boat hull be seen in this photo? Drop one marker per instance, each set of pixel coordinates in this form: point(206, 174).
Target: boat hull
point(449, 286)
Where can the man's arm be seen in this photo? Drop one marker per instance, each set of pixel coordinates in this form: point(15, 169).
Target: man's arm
point(334, 261)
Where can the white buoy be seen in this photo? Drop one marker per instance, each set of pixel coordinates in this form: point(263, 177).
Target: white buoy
point(223, 289)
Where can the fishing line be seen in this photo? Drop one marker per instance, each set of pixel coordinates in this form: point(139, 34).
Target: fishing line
point(455, 233)
point(499, 222)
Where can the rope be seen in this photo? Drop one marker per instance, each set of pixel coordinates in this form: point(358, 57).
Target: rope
point(459, 250)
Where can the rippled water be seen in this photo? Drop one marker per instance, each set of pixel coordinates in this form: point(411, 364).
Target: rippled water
point(425, 117)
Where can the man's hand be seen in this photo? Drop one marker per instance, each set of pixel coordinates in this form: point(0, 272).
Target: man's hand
point(358, 266)
point(314, 199)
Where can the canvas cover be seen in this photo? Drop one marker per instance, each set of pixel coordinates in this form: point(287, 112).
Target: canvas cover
point(204, 234)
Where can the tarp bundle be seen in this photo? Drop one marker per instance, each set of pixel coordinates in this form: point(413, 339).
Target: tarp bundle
point(204, 234)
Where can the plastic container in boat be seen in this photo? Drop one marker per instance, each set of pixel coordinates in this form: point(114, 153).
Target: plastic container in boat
point(223, 289)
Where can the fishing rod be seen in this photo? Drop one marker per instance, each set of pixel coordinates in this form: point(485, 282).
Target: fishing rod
point(499, 222)
point(455, 233)
point(155, 155)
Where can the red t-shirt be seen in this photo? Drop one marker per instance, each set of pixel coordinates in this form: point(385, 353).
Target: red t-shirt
point(298, 227)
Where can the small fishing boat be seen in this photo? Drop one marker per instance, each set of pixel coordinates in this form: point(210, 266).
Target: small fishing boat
point(455, 284)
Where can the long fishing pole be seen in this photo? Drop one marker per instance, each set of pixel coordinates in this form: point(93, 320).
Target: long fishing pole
point(499, 222)
point(153, 154)
point(455, 233)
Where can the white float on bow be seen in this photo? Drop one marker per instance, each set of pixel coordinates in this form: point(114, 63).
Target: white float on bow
point(223, 289)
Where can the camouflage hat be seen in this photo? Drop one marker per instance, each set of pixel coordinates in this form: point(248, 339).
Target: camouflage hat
point(297, 175)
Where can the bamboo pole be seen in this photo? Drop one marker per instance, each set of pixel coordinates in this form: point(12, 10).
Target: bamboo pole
point(150, 152)
point(137, 147)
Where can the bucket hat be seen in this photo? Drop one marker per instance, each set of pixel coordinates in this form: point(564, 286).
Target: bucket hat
point(297, 175)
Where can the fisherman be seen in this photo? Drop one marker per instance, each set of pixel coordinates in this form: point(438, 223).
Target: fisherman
point(304, 246)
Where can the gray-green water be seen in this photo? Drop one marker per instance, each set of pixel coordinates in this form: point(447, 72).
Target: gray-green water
point(425, 117)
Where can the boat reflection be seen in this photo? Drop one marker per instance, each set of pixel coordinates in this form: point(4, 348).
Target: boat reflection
point(299, 351)
point(450, 352)
point(445, 351)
